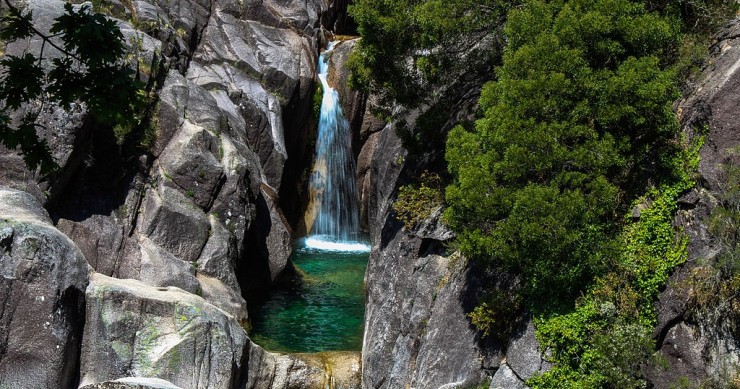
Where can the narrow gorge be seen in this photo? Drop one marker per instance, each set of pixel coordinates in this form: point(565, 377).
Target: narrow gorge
point(249, 230)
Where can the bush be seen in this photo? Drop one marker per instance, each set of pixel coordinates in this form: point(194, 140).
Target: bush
point(415, 203)
point(498, 314)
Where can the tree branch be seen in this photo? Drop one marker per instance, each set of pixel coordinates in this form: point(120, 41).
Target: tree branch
point(43, 36)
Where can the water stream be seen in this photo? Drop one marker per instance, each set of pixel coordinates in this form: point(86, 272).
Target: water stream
point(320, 307)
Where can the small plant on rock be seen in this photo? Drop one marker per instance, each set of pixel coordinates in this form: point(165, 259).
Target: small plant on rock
point(416, 202)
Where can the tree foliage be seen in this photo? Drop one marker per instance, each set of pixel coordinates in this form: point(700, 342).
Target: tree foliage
point(410, 46)
point(579, 118)
point(85, 66)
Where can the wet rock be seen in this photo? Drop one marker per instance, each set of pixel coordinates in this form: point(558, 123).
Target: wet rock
point(352, 101)
point(43, 276)
point(364, 162)
point(133, 329)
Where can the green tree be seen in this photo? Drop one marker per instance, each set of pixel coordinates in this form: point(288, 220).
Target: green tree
point(410, 46)
point(579, 118)
point(90, 69)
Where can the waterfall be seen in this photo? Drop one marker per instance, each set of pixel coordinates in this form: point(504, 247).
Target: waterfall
point(337, 224)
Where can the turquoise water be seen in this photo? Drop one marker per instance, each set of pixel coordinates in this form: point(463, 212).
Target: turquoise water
point(321, 308)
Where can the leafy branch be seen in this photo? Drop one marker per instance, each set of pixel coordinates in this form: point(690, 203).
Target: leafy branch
point(89, 69)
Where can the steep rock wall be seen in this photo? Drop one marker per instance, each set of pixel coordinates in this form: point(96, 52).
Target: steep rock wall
point(176, 221)
point(700, 348)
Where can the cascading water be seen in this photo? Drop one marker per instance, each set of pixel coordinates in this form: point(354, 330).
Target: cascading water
point(337, 224)
point(320, 307)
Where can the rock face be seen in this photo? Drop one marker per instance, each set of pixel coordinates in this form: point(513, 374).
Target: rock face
point(698, 349)
point(417, 332)
point(334, 370)
point(132, 329)
point(418, 296)
point(43, 276)
point(177, 221)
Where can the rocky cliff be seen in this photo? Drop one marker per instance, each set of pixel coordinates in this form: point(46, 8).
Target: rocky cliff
point(700, 348)
point(133, 259)
point(417, 333)
point(128, 268)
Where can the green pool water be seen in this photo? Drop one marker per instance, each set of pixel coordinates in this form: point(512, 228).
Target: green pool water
point(320, 308)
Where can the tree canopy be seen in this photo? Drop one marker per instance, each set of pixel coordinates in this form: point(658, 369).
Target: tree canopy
point(410, 46)
point(576, 123)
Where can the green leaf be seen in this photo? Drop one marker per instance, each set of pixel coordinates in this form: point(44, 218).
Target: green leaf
point(22, 80)
point(66, 83)
point(96, 40)
point(15, 26)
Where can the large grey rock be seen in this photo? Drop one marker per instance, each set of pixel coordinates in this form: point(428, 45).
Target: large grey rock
point(178, 24)
point(505, 378)
point(191, 162)
point(228, 299)
point(42, 281)
point(695, 353)
point(271, 238)
point(160, 268)
point(282, 60)
point(217, 258)
point(234, 207)
point(389, 159)
point(303, 16)
point(133, 329)
point(263, 79)
point(106, 244)
point(714, 105)
point(523, 355)
point(254, 114)
point(182, 100)
point(172, 221)
point(414, 310)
